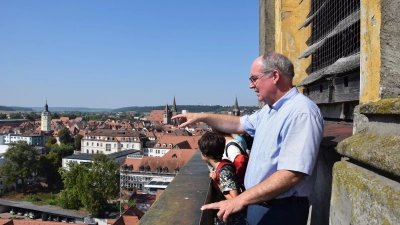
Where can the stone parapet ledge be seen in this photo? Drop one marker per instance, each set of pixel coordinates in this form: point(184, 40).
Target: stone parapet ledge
point(388, 106)
point(181, 201)
point(377, 150)
point(360, 196)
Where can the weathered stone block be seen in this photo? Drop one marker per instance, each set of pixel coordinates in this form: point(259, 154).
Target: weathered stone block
point(379, 151)
point(360, 196)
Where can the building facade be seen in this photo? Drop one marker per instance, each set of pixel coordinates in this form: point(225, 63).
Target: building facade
point(108, 141)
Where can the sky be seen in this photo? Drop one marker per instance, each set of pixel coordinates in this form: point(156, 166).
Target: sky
point(113, 54)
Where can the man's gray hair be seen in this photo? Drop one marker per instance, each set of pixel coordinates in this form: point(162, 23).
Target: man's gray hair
point(275, 61)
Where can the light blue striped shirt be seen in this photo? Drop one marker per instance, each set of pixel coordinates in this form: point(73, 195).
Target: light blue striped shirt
point(286, 137)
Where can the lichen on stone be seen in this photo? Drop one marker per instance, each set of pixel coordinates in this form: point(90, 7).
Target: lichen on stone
point(388, 106)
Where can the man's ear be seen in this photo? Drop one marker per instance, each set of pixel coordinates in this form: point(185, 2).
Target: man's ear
point(276, 76)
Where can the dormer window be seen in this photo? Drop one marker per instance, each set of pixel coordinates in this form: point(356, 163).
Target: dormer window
point(147, 169)
point(165, 170)
point(158, 145)
point(170, 145)
point(125, 167)
point(141, 168)
point(131, 167)
point(174, 156)
point(159, 169)
point(177, 169)
point(164, 145)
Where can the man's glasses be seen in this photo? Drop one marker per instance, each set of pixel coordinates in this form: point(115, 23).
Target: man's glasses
point(255, 78)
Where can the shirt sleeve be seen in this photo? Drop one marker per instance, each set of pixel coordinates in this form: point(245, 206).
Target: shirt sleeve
point(228, 181)
point(300, 144)
point(249, 122)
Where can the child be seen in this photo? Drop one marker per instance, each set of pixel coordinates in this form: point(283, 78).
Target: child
point(212, 146)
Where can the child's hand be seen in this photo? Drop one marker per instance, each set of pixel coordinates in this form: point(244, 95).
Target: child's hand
point(213, 175)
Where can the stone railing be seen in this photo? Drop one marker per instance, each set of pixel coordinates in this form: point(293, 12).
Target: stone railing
point(181, 201)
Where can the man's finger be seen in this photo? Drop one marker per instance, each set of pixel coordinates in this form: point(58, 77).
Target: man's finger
point(210, 206)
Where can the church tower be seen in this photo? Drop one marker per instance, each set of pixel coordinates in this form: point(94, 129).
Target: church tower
point(167, 115)
point(174, 112)
point(236, 110)
point(46, 119)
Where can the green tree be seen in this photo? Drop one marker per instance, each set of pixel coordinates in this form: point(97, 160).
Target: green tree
point(63, 150)
point(78, 139)
point(16, 116)
point(48, 166)
point(69, 198)
point(55, 116)
point(64, 135)
point(19, 163)
point(93, 186)
point(3, 116)
point(51, 141)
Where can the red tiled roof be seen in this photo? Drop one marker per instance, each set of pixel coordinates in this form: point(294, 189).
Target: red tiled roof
point(156, 116)
point(173, 159)
point(184, 142)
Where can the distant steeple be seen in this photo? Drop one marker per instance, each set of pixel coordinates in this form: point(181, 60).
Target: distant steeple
point(46, 107)
point(236, 110)
point(166, 108)
point(174, 106)
point(167, 115)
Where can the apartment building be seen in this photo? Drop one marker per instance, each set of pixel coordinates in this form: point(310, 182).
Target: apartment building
point(139, 171)
point(109, 141)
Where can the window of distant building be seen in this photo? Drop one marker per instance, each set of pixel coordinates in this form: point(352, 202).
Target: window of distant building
point(97, 144)
point(87, 151)
point(101, 144)
point(115, 145)
point(108, 147)
point(92, 151)
point(87, 143)
point(122, 145)
point(92, 143)
point(97, 151)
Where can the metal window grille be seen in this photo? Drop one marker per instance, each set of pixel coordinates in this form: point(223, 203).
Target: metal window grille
point(338, 26)
point(334, 45)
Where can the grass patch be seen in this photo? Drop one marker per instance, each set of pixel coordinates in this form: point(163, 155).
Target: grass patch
point(32, 198)
point(38, 198)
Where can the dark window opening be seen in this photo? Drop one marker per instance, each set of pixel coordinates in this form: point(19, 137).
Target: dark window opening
point(346, 81)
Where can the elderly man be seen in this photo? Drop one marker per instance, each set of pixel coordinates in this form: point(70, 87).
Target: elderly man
point(287, 133)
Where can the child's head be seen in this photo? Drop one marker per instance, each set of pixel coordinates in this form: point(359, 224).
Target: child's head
point(212, 145)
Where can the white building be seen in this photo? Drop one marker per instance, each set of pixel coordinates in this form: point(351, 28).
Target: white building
point(30, 139)
point(108, 141)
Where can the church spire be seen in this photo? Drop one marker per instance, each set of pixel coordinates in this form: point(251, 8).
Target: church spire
point(174, 106)
point(46, 107)
point(236, 110)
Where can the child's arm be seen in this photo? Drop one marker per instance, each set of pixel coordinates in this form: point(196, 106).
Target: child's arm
point(231, 194)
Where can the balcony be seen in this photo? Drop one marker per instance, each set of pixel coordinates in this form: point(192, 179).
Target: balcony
point(180, 203)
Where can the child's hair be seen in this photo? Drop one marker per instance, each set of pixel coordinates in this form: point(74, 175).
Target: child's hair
point(212, 145)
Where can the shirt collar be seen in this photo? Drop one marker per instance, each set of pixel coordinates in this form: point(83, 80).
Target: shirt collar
point(289, 95)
